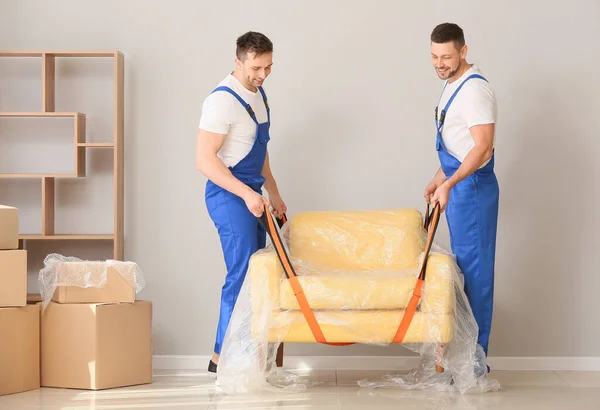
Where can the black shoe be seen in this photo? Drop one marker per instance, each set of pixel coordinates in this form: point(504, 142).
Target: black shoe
point(212, 367)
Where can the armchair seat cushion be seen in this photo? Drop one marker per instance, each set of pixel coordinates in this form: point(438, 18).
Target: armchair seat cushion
point(369, 327)
point(377, 291)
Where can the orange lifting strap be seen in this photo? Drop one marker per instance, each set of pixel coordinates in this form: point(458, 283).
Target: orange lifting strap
point(268, 222)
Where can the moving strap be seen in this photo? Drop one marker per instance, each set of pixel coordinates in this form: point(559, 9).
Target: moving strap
point(268, 223)
point(431, 223)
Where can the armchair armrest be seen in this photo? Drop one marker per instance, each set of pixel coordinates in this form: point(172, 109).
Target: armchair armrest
point(265, 272)
point(438, 293)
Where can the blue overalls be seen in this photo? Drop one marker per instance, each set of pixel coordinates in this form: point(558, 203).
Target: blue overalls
point(239, 230)
point(472, 215)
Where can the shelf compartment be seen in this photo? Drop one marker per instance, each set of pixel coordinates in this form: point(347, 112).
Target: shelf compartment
point(79, 134)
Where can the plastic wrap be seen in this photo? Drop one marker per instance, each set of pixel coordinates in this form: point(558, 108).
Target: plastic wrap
point(358, 271)
point(62, 270)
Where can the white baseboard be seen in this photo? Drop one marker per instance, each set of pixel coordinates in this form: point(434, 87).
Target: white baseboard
point(175, 362)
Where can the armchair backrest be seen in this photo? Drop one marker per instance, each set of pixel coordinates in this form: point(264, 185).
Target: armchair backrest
point(358, 240)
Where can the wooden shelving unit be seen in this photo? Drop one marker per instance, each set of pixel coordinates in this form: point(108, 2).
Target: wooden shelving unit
point(48, 93)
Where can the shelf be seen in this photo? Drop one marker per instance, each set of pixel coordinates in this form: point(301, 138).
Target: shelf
point(40, 114)
point(8, 176)
point(48, 107)
point(58, 237)
point(59, 53)
point(96, 145)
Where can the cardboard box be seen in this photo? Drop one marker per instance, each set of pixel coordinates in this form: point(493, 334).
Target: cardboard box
point(9, 227)
point(96, 346)
point(116, 289)
point(13, 278)
point(19, 349)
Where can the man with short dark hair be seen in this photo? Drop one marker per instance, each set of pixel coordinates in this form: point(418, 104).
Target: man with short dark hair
point(465, 185)
point(232, 153)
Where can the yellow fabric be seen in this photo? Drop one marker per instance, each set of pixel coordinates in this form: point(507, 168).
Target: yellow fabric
point(265, 273)
point(372, 292)
point(358, 240)
point(352, 307)
point(362, 327)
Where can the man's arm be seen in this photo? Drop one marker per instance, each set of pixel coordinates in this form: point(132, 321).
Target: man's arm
point(270, 184)
point(483, 135)
point(480, 117)
point(217, 117)
point(207, 162)
point(279, 206)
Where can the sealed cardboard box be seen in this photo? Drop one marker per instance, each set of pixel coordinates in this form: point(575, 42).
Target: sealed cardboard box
point(94, 282)
point(19, 349)
point(13, 278)
point(96, 346)
point(9, 227)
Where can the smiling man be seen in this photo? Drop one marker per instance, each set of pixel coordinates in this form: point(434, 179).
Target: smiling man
point(232, 153)
point(465, 185)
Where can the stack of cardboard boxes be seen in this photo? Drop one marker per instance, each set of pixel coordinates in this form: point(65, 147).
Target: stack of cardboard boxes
point(85, 338)
point(19, 322)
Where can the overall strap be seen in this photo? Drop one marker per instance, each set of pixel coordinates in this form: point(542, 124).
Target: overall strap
point(240, 99)
point(264, 96)
point(440, 123)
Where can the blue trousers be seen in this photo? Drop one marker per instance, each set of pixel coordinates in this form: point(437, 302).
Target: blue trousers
point(472, 215)
point(241, 236)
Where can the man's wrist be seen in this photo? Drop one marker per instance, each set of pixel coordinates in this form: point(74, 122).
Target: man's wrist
point(271, 186)
point(450, 182)
point(272, 191)
point(246, 190)
point(441, 178)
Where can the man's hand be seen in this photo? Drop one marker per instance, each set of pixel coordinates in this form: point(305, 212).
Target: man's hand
point(430, 190)
point(441, 195)
point(438, 179)
point(256, 203)
point(279, 208)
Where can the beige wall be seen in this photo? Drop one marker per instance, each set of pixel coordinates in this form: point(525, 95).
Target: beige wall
point(352, 96)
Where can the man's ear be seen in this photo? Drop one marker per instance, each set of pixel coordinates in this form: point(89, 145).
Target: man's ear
point(238, 62)
point(463, 52)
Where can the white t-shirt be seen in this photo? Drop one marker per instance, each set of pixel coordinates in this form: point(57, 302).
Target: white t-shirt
point(475, 104)
point(222, 113)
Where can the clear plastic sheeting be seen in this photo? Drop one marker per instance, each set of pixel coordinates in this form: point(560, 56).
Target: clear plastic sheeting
point(451, 380)
point(358, 271)
point(62, 270)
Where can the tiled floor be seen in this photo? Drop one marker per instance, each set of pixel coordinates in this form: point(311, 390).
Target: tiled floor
point(335, 390)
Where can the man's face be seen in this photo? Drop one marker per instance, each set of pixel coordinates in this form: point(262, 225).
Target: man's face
point(447, 59)
point(256, 69)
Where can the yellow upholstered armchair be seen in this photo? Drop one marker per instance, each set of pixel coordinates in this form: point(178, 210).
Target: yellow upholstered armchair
point(357, 271)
